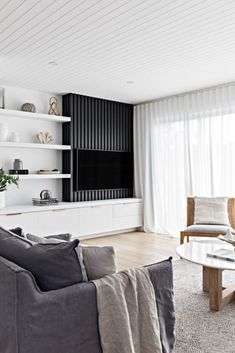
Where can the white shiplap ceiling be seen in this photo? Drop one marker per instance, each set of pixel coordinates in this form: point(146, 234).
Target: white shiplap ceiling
point(164, 46)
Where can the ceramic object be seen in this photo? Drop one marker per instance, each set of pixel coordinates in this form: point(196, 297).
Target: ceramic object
point(3, 132)
point(45, 195)
point(2, 199)
point(28, 107)
point(15, 137)
point(53, 109)
point(18, 164)
point(45, 137)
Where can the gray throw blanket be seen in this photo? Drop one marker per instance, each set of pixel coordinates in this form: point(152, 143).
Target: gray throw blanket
point(127, 311)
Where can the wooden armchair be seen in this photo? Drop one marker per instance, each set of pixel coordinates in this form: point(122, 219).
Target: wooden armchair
point(205, 230)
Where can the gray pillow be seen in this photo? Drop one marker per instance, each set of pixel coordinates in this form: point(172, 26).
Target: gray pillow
point(18, 231)
point(99, 261)
point(54, 266)
point(43, 240)
point(35, 239)
point(62, 236)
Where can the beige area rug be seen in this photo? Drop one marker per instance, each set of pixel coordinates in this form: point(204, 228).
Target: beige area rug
point(198, 330)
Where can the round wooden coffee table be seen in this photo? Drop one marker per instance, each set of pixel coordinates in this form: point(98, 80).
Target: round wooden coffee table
point(196, 251)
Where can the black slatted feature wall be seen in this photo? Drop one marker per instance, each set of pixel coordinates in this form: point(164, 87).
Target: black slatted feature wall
point(97, 125)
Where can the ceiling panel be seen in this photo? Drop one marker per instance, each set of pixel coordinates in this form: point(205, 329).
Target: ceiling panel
point(125, 50)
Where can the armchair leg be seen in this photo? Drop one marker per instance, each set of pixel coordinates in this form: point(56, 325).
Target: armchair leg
point(182, 235)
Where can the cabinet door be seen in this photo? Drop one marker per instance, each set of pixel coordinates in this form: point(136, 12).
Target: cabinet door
point(95, 220)
point(27, 221)
point(127, 215)
point(127, 209)
point(58, 221)
point(130, 222)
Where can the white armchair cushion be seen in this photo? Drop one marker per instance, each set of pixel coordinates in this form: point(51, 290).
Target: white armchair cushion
point(208, 228)
point(211, 210)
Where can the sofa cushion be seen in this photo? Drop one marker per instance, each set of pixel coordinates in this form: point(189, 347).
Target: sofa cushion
point(211, 210)
point(99, 261)
point(43, 240)
point(18, 231)
point(35, 239)
point(208, 228)
point(62, 236)
point(54, 266)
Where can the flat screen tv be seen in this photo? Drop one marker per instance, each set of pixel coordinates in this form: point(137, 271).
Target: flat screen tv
point(97, 170)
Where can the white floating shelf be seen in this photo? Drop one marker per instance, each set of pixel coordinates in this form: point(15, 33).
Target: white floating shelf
point(43, 176)
point(35, 145)
point(27, 115)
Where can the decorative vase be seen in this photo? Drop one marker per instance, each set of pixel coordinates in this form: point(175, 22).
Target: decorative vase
point(18, 164)
point(14, 137)
point(2, 199)
point(28, 107)
point(3, 132)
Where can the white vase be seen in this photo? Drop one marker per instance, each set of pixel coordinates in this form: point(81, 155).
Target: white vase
point(14, 137)
point(3, 132)
point(2, 199)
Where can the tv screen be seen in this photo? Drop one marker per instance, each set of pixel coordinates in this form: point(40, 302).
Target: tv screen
point(97, 170)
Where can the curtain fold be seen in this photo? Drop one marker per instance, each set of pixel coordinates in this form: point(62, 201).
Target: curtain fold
point(183, 146)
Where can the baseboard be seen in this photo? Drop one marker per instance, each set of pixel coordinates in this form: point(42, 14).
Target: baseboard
point(82, 237)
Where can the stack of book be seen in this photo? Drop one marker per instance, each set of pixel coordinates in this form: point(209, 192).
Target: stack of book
point(223, 254)
point(45, 202)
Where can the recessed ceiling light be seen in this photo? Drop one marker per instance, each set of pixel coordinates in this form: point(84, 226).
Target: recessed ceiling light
point(130, 82)
point(53, 63)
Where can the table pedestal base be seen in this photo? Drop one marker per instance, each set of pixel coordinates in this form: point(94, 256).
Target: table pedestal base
point(212, 283)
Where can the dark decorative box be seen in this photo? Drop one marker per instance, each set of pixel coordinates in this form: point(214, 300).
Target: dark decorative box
point(18, 172)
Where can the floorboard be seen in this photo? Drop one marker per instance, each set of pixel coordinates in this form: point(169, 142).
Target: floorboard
point(137, 248)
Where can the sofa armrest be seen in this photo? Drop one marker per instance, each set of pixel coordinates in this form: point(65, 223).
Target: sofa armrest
point(61, 321)
point(66, 320)
point(161, 275)
point(8, 305)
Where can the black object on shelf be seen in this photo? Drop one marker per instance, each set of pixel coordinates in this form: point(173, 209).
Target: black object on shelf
point(18, 171)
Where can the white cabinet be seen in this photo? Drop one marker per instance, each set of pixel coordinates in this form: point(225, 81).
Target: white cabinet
point(28, 221)
point(45, 222)
point(127, 215)
point(58, 221)
point(82, 219)
point(95, 219)
point(127, 209)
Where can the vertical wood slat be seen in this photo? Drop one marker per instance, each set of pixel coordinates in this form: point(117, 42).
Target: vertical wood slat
point(97, 124)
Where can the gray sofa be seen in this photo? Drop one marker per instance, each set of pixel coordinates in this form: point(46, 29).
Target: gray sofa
point(65, 320)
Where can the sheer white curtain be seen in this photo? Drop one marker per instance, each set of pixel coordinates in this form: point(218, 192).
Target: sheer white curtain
point(184, 145)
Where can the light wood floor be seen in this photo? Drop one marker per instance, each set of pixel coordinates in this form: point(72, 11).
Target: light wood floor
point(137, 248)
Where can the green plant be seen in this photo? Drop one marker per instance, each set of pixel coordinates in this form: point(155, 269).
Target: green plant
point(6, 180)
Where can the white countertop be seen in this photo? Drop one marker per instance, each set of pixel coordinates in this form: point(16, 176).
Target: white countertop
point(65, 205)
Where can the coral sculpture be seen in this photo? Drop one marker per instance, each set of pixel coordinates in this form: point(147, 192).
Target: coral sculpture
point(45, 137)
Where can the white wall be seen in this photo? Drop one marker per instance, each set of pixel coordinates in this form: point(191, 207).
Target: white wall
point(15, 97)
point(32, 159)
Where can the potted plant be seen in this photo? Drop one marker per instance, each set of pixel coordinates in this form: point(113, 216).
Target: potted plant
point(5, 181)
